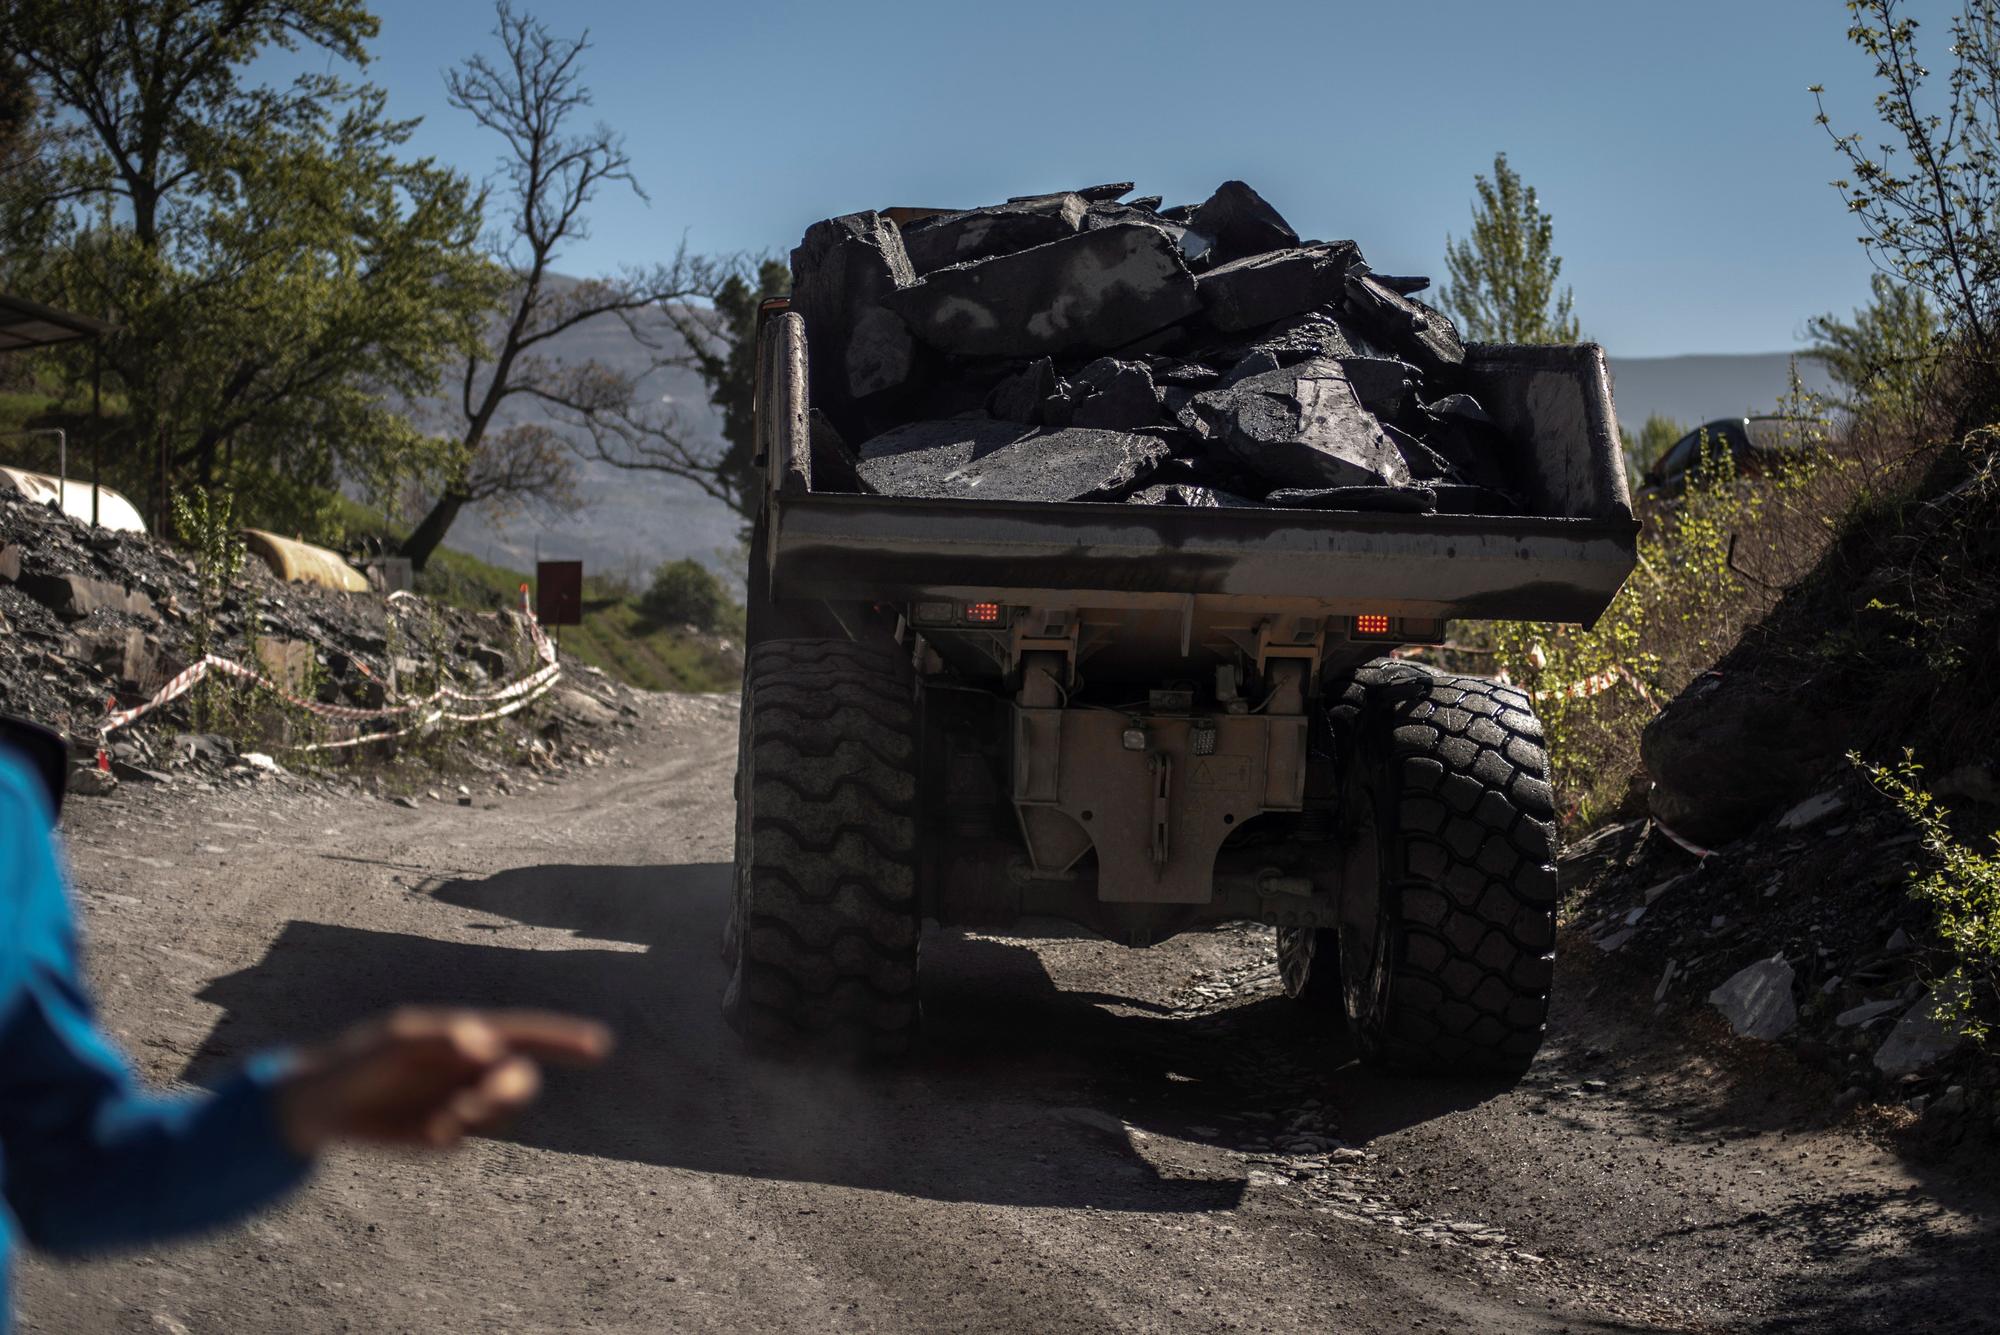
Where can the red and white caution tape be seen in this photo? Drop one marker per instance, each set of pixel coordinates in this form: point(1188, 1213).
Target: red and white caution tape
point(1583, 690)
point(1596, 684)
point(430, 709)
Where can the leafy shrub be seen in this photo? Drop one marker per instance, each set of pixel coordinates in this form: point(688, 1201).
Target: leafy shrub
point(1710, 563)
point(1962, 885)
point(686, 591)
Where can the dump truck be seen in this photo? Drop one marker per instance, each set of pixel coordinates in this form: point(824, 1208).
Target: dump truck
point(1153, 719)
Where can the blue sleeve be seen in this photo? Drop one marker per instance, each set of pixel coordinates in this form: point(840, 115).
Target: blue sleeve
point(87, 1159)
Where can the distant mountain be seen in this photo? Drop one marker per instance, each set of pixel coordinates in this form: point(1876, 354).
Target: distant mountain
point(631, 521)
point(1697, 389)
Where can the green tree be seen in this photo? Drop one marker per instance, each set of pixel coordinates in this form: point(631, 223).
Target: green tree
point(685, 591)
point(283, 276)
point(1883, 360)
point(722, 348)
point(1502, 285)
point(1928, 196)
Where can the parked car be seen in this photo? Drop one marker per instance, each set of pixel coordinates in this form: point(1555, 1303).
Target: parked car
point(1753, 443)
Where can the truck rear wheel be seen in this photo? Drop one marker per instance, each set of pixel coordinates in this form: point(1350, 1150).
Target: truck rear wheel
point(1447, 937)
point(825, 907)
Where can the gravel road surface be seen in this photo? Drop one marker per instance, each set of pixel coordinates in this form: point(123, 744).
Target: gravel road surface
point(1095, 1139)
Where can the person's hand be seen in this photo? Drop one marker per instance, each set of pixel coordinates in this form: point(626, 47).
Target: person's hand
point(428, 1077)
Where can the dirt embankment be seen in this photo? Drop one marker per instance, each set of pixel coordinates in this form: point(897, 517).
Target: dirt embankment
point(1769, 888)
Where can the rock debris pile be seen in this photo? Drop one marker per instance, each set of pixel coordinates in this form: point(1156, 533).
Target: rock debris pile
point(1073, 347)
point(89, 617)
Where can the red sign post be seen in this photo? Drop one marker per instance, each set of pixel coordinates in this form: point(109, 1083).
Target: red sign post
point(559, 593)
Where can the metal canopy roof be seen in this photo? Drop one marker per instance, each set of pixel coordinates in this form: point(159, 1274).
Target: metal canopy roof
point(26, 324)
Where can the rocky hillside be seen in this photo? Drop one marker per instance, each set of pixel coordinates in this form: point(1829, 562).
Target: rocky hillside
point(90, 620)
point(1770, 884)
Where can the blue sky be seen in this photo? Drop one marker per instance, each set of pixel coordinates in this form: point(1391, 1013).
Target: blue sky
point(1674, 143)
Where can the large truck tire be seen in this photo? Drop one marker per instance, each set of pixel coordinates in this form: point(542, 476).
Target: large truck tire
point(825, 908)
point(1448, 917)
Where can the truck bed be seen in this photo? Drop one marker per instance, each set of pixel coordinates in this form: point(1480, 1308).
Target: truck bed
point(1563, 563)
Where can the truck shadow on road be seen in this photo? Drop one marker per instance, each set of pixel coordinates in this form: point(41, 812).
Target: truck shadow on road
point(1025, 1094)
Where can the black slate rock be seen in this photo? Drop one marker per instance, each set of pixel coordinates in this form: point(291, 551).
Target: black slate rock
point(1303, 427)
point(1235, 222)
point(1101, 216)
point(1381, 383)
point(1020, 397)
point(977, 234)
point(981, 459)
point(1117, 395)
point(1417, 333)
point(841, 271)
point(1099, 289)
point(1407, 286)
point(1320, 333)
point(1248, 293)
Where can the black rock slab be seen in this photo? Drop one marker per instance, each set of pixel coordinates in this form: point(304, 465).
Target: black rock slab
point(1415, 331)
point(1233, 223)
point(1247, 293)
point(981, 459)
point(1477, 450)
point(1413, 500)
point(841, 271)
point(1318, 333)
point(1425, 464)
point(1021, 396)
point(1150, 203)
point(1177, 404)
point(1256, 362)
point(1302, 426)
point(977, 234)
point(1196, 375)
point(1090, 194)
point(1403, 285)
point(1117, 215)
point(1099, 290)
point(1381, 383)
point(1118, 395)
point(1102, 193)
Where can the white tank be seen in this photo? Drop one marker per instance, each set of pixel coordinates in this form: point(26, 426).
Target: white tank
point(113, 510)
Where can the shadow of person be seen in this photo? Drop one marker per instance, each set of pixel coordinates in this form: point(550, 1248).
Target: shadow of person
point(1024, 1095)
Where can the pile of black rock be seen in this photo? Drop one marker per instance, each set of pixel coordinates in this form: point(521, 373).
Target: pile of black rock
point(1073, 347)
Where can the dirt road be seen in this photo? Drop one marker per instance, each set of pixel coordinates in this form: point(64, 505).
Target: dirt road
point(1096, 1139)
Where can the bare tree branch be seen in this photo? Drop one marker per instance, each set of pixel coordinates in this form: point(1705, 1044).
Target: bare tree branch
point(530, 95)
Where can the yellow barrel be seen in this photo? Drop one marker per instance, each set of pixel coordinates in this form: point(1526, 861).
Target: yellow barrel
point(298, 562)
